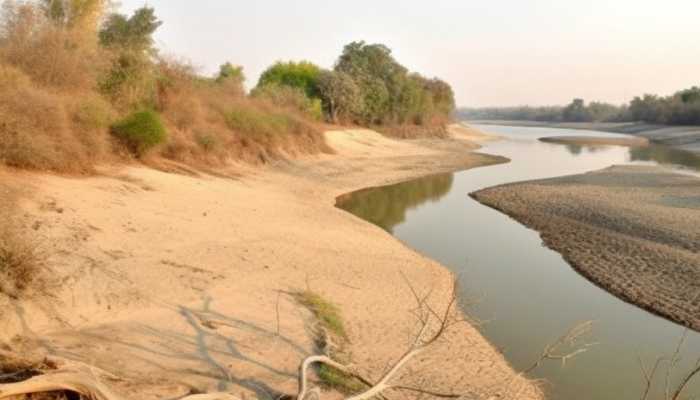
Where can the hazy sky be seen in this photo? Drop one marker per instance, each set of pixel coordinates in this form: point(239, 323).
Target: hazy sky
point(502, 52)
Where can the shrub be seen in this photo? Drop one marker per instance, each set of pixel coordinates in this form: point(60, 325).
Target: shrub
point(302, 75)
point(251, 121)
point(141, 131)
point(290, 97)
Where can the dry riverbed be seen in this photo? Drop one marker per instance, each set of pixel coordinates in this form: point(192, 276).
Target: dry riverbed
point(633, 230)
point(179, 283)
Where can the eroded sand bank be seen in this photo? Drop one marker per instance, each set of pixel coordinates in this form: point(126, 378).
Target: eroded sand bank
point(176, 282)
point(633, 230)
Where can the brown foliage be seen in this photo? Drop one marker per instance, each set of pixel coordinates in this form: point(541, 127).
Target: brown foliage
point(35, 130)
point(20, 262)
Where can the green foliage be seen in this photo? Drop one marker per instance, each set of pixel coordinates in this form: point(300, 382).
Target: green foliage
point(134, 33)
point(141, 131)
point(326, 312)
point(131, 80)
point(336, 379)
point(682, 108)
point(388, 94)
point(229, 71)
point(340, 95)
point(576, 112)
point(302, 75)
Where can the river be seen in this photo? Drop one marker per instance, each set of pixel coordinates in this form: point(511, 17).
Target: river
point(527, 295)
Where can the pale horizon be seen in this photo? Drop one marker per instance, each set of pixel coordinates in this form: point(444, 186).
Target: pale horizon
point(506, 54)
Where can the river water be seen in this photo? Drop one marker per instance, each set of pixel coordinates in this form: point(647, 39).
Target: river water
point(527, 295)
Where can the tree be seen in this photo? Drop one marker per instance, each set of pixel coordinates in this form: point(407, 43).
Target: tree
point(379, 76)
point(442, 96)
point(576, 112)
point(228, 71)
point(133, 33)
point(82, 16)
point(340, 95)
point(131, 81)
point(302, 75)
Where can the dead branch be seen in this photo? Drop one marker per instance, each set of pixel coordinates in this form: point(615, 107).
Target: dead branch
point(571, 339)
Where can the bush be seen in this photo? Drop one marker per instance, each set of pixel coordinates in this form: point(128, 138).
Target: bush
point(302, 75)
point(251, 121)
point(141, 131)
point(290, 97)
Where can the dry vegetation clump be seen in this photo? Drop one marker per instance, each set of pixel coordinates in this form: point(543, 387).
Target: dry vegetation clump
point(36, 130)
point(416, 131)
point(20, 262)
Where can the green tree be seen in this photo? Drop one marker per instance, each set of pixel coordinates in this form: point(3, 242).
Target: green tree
point(133, 33)
point(340, 95)
point(576, 112)
point(302, 75)
point(228, 71)
point(379, 76)
point(131, 81)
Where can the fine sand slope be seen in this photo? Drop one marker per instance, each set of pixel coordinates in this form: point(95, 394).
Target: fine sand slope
point(179, 283)
point(634, 230)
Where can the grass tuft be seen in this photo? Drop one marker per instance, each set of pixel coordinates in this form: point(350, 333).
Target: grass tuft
point(326, 312)
point(335, 379)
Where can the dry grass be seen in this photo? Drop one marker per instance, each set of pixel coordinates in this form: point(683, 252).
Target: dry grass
point(20, 263)
point(58, 73)
point(438, 130)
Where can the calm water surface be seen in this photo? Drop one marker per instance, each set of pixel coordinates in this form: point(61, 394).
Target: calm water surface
point(528, 295)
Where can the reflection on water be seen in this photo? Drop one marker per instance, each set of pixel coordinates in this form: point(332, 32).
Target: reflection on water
point(528, 293)
point(387, 208)
point(666, 155)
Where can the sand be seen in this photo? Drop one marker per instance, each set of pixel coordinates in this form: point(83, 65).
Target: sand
point(597, 141)
point(179, 283)
point(633, 230)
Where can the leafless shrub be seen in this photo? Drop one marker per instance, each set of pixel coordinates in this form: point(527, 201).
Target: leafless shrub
point(670, 365)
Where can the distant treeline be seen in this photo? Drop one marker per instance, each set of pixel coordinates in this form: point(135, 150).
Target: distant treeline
point(681, 108)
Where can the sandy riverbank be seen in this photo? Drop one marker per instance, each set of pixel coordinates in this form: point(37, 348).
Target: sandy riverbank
point(633, 230)
point(140, 263)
